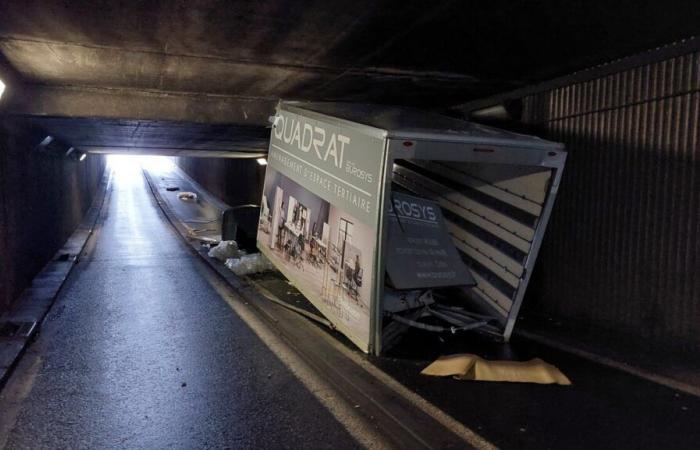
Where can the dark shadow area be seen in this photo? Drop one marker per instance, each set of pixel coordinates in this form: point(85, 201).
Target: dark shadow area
point(604, 408)
point(616, 268)
point(43, 197)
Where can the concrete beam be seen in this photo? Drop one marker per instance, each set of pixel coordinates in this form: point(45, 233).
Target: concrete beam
point(236, 154)
point(70, 101)
point(76, 64)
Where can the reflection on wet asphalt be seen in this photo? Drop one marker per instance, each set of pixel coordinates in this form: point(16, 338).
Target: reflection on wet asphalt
point(139, 351)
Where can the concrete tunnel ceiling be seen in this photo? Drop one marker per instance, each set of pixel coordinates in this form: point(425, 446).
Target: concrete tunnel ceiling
point(123, 75)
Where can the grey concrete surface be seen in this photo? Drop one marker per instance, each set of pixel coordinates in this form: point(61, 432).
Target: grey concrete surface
point(202, 218)
point(384, 51)
point(43, 197)
point(155, 137)
point(30, 308)
point(139, 351)
point(113, 104)
point(235, 181)
point(228, 63)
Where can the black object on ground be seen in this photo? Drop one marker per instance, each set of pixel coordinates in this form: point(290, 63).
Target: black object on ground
point(240, 224)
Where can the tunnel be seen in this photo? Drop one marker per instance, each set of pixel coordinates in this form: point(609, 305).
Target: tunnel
point(372, 224)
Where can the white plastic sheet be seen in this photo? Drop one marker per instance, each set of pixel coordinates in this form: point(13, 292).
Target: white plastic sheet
point(225, 250)
point(248, 264)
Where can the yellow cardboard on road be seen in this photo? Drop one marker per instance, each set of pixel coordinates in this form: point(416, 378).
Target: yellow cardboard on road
point(472, 367)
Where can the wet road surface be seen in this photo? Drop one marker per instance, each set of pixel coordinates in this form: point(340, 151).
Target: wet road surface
point(140, 351)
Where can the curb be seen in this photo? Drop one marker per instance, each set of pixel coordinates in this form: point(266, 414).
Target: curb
point(384, 404)
point(36, 300)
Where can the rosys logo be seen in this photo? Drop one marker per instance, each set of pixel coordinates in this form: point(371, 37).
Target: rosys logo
point(406, 208)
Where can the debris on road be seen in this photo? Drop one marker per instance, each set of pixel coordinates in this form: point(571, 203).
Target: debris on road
point(248, 264)
point(225, 250)
point(187, 196)
point(472, 367)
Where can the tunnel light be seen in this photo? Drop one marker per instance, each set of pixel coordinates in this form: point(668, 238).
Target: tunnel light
point(262, 161)
point(75, 154)
point(46, 141)
point(2, 88)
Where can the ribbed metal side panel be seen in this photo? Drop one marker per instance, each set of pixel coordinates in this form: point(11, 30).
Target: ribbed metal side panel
point(622, 251)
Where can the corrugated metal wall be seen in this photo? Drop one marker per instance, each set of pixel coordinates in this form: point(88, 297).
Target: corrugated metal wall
point(622, 251)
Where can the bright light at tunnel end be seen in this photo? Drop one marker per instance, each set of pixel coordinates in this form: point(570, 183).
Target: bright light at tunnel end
point(134, 163)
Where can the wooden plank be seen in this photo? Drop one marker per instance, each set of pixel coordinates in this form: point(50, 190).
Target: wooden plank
point(491, 292)
point(486, 249)
point(455, 173)
point(498, 231)
point(496, 217)
point(528, 182)
point(516, 241)
point(497, 270)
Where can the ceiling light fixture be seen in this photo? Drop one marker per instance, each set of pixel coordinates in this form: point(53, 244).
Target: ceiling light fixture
point(46, 141)
point(75, 154)
point(2, 88)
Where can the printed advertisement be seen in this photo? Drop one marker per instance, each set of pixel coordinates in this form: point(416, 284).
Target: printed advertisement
point(318, 216)
point(420, 251)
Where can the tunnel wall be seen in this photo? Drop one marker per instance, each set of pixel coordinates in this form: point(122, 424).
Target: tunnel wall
point(43, 198)
point(235, 181)
point(622, 252)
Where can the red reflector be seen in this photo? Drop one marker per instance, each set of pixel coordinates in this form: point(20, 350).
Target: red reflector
point(407, 144)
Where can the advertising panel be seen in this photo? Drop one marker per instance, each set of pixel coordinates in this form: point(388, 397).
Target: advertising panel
point(319, 216)
point(420, 251)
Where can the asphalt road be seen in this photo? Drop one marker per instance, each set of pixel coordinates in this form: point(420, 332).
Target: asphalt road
point(140, 351)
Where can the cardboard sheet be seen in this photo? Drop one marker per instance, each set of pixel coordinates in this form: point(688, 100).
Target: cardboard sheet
point(472, 367)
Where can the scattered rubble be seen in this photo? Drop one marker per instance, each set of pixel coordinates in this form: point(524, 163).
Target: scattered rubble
point(225, 250)
point(248, 264)
point(187, 196)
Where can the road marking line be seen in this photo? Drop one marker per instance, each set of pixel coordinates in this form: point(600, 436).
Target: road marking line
point(469, 435)
point(354, 424)
point(321, 390)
